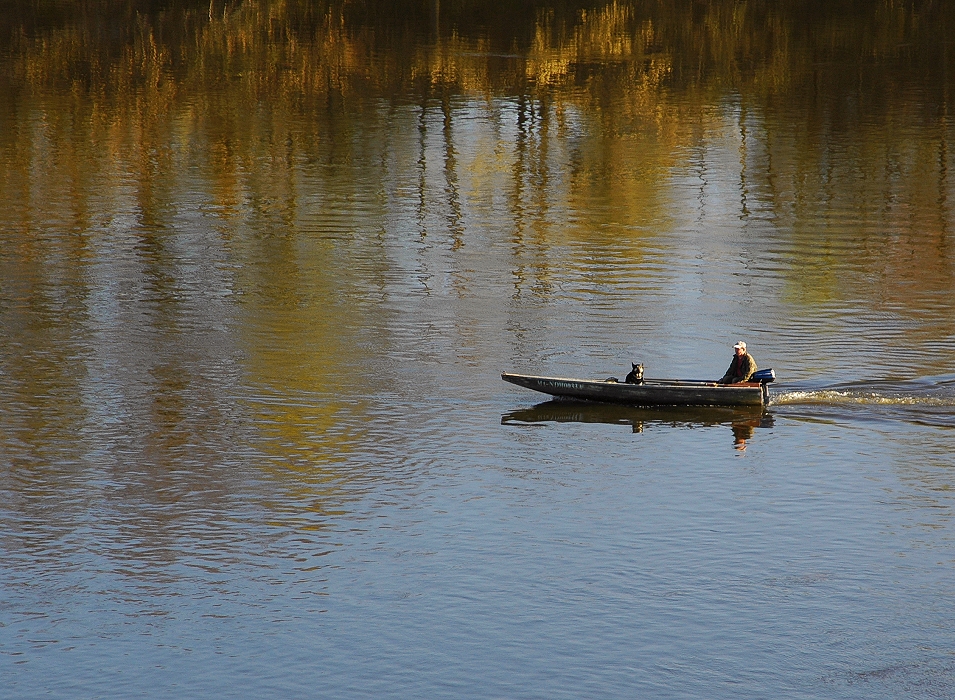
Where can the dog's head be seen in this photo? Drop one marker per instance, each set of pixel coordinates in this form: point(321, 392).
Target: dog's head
point(636, 374)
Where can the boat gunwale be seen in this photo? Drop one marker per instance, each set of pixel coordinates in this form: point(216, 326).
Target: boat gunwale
point(701, 383)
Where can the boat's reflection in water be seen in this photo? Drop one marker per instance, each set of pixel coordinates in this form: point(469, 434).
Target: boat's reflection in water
point(743, 421)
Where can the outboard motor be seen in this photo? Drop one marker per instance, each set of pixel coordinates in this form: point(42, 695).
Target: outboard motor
point(764, 377)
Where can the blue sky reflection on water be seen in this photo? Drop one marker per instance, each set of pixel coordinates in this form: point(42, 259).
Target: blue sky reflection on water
point(610, 561)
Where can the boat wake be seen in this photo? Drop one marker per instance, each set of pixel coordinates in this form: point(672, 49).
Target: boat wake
point(921, 402)
point(871, 398)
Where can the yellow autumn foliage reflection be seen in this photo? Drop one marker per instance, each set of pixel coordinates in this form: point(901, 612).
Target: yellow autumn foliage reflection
point(274, 114)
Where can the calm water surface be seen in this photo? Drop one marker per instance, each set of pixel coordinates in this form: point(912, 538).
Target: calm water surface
point(260, 270)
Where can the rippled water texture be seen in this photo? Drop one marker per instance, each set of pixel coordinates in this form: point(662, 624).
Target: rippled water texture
point(261, 265)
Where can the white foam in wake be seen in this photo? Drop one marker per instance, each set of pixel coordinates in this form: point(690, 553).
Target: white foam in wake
point(830, 396)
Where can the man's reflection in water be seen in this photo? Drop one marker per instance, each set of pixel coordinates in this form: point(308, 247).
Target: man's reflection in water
point(741, 433)
point(743, 430)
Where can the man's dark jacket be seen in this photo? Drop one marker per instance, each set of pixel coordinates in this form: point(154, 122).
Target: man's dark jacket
point(741, 369)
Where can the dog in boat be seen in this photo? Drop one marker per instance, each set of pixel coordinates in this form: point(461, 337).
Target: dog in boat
point(636, 374)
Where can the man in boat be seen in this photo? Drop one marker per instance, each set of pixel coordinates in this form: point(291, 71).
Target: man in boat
point(742, 366)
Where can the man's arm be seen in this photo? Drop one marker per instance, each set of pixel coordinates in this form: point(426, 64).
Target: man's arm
point(749, 366)
point(728, 377)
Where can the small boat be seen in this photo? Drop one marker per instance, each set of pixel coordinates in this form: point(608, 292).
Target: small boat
point(652, 392)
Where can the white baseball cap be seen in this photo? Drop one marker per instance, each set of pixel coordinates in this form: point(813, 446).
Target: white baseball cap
point(741, 345)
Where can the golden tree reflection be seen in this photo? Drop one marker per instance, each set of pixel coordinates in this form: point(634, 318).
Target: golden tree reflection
point(273, 114)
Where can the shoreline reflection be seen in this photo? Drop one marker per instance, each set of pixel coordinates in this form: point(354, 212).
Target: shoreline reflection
point(743, 421)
